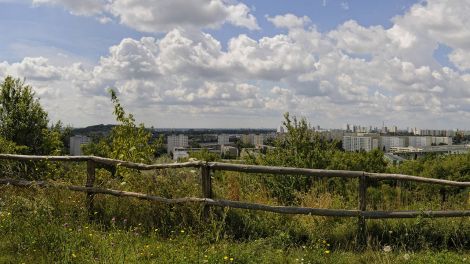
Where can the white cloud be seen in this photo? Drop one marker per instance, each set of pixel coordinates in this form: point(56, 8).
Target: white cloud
point(82, 7)
point(349, 73)
point(289, 21)
point(162, 15)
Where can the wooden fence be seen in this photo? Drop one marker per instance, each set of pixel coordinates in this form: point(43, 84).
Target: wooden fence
point(206, 187)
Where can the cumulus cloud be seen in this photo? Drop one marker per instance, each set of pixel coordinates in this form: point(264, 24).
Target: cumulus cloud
point(346, 74)
point(82, 7)
point(289, 21)
point(162, 15)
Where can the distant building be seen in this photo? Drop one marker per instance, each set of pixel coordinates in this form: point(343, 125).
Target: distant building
point(416, 141)
point(388, 142)
point(176, 141)
point(357, 143)
point(441, 141)
point(281, 129)
point(179, 153)
point(252, 139)
point(247, 139)
point(76, 143)
point(223, 139)
point(229, 151)
point(258, 140)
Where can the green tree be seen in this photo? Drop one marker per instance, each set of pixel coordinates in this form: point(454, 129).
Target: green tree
point(23, 121)
point(300, 147)
point(127, 141)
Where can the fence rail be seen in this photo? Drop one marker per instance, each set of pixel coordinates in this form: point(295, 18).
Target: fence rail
point(207, 195)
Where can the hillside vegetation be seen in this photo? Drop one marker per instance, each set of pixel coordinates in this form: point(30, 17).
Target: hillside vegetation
point(48, 225)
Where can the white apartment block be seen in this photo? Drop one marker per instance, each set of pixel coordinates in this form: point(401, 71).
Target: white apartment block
point(434, 132)
point(357, 143)
point(441, 141)
point(417, 141)
point(176, 141)
point(248, 139)
point(253, 139)
point(258, 139)
point(76, 143)
point(389, 142)
point(223, 139)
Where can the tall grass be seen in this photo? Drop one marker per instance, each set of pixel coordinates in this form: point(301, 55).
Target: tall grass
point(48, 225)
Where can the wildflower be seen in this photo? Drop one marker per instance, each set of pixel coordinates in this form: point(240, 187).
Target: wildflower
point(65, 225)
point(406, 256)
point(73, 255)
point(231, 259)
point(387, 249)
point(327, 252)
point(182, 231)
point(225, 257)
point(324, 241)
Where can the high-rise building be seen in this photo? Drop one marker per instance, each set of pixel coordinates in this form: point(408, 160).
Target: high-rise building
point(176, 141)
point(76, 143)
point(357, 143)
point(388, 142)
point(252, 139)
point(247, 139)
point(223, 139)
point(418, 141)
point(441, 141)
point(258, 139)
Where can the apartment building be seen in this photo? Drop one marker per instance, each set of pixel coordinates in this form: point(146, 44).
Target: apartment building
point(357, 143)
point(176, 141)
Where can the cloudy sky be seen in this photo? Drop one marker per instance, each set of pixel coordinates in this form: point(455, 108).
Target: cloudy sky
point(229, 63)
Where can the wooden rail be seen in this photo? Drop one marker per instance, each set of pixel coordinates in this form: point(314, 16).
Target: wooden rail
point(207, 195)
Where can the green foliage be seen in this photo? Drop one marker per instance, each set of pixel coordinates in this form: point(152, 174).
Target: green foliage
point(127, 141)
point(300, 147)
point(358, 161)
point(204, 155)
point(23, 121)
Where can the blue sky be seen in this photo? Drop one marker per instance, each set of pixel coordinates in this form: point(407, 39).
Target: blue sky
point(38, 27)
point(213, 63)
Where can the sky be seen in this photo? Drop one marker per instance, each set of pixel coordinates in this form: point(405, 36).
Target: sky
point(235, 63)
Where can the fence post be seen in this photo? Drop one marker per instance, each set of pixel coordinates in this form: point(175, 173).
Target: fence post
point(361, 223)
point(206, 183)
point(90, 181)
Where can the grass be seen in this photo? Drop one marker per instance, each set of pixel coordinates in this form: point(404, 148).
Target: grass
point(47, 225)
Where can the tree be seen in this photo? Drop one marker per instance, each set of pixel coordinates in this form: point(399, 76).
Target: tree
point(23, 121)
point(127, 141)
point(300, 147)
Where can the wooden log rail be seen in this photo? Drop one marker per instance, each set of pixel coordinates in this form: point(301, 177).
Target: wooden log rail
point(206, 188)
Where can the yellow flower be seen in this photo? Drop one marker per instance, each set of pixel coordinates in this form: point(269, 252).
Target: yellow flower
point(324, 242)
point(327, 252)
point(182, 231)
point(231, 259)
point(225, 257)
point(73, 255)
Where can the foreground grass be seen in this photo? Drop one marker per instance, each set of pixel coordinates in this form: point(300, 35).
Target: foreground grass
point(70, 243)
point(52, 226)
point(33, 231)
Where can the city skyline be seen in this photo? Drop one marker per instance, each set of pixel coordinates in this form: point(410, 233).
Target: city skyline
point(242, 64)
